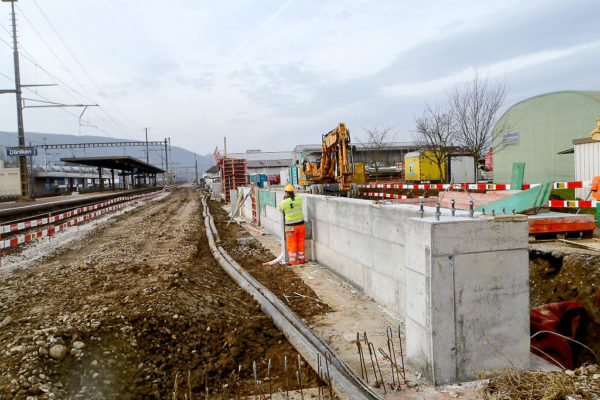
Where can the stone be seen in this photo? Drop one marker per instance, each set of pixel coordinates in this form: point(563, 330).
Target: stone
point(94, 363)
point(570, 373)
point(58, 352)
point(5, 321)
point(78, 345)
point(592, 369)
point(42, 351)
point(18, 349)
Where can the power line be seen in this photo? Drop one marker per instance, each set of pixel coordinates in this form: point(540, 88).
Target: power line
point(79, 63)
point(117, 124)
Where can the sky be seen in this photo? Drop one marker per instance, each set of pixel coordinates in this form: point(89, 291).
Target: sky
point(273, 74)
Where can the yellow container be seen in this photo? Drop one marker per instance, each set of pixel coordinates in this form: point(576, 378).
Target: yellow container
point(420, 167)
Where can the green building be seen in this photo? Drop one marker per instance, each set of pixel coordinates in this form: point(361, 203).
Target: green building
point(538, 129)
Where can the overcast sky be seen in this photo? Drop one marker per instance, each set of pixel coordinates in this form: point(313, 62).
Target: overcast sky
point(272, 74)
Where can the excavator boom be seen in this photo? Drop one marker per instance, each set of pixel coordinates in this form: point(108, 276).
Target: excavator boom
point(335, 163)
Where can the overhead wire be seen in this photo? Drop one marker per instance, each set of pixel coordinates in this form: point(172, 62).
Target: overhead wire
point(116, 123)
point(80, 64)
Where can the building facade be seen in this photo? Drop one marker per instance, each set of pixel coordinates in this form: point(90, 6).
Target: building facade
point(537, 129)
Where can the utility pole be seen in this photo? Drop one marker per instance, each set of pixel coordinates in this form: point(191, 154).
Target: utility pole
point(166, 162)
point(171, 155)
point(147, 153)
point(45, 156)
point(196, 166)
point(22, 160)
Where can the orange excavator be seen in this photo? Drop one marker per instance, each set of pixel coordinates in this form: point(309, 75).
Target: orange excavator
point(335, 170)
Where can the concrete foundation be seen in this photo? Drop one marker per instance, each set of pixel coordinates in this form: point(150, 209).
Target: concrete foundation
point(461, 284)
point(468, 297)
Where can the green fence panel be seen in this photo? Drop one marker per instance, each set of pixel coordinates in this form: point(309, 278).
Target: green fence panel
point(266, 198)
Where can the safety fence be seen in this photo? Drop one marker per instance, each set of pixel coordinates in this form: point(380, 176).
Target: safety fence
point(391, 195)
point(480, 186)
point(471, 186)
point(19, 226)
point(102, 208)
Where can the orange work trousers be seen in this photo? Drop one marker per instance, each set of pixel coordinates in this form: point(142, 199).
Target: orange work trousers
point(294, 237)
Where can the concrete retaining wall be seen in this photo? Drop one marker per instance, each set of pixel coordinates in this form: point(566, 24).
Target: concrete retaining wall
point(457, 282)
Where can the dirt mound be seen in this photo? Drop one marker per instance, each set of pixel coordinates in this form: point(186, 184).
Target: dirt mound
point(129, 310)
point(280, 279)
point(558, 276)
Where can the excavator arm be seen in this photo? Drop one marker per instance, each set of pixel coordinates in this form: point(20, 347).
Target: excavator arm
point(335, 163)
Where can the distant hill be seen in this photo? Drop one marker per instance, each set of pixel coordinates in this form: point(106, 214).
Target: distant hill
point(182, 158)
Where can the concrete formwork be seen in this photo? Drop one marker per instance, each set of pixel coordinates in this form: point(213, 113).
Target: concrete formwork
point(461, 284)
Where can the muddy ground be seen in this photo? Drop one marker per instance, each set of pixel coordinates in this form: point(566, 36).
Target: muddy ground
point(569, 276)
point(279, 279)
point(134, 309)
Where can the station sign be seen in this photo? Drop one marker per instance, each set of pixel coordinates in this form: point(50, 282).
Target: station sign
point(21, 151)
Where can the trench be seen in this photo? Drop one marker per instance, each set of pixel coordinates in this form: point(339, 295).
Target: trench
point(561, 276)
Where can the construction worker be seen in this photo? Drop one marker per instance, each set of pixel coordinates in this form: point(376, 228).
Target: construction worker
point(291, 206)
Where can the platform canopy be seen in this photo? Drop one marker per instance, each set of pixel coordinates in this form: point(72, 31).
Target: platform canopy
point(123, 163)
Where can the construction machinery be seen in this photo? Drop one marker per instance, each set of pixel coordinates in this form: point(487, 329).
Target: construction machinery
point(335, 170)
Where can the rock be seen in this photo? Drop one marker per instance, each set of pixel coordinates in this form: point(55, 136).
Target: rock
point(5, 321)
point(42, 351)
point(596, 377)
point(58, 352)
point(95, 325)
point(94, 363)
point(18, 349)
point(592, 369)
point(78, 345)
point(570, 373)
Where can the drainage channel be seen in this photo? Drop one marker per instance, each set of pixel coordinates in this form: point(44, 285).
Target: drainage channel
point(319, 355)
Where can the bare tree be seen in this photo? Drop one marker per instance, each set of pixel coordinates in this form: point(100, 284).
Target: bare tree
point(434, 134)
point(377, 140)
point(474, 108)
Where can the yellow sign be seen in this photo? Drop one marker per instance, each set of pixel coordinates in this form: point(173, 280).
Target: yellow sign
point(595, 134)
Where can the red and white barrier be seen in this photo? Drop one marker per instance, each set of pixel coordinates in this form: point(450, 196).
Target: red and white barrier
point(12, 242)
point(472, 186)
point(391, 195)
point(572, 203)
point(58, 217)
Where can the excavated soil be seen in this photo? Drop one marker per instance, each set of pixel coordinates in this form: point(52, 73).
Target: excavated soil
point(279, 279)
point(563, 276)
point(137, 310)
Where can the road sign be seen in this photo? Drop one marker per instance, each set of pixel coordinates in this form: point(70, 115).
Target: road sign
point(21, 151)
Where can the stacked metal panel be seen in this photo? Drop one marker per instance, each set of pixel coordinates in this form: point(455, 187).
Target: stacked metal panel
point(233, 175)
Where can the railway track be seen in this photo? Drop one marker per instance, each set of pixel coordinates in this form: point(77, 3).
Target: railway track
point(321, 357)
point(24, 212)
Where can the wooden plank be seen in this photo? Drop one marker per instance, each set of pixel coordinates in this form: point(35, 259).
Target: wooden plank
point(552, 226)
point(582, 245)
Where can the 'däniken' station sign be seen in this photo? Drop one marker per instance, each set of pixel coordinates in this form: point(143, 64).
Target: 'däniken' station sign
point(21, 151)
